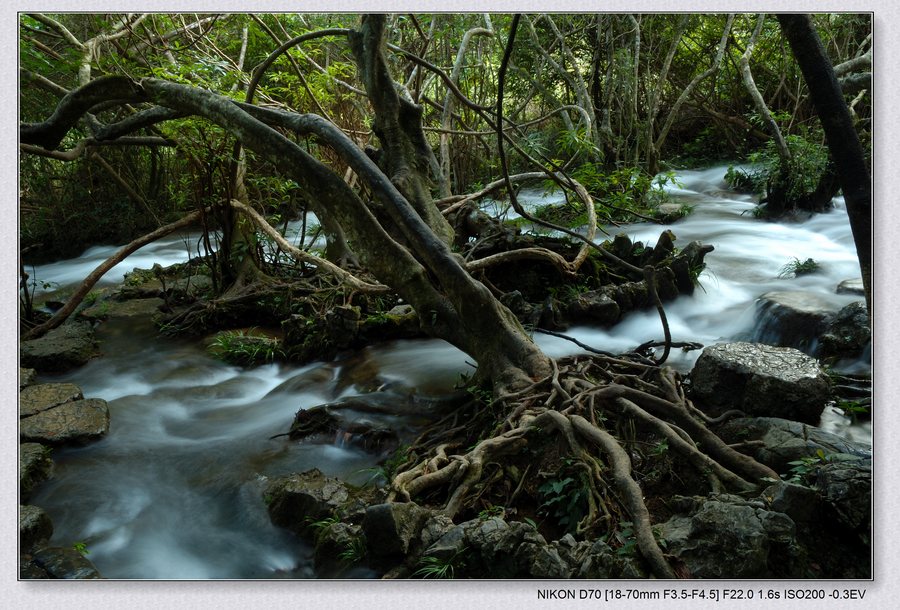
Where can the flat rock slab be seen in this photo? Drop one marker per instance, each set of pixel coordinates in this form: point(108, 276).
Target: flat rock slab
point(65, 563)
point(785, 441)
point(69, 346)
point(111, 308)
point(37, 398)
point(760, 380)
point(77, 422)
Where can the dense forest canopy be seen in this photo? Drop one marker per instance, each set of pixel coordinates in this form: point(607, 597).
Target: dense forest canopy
point(610, 98)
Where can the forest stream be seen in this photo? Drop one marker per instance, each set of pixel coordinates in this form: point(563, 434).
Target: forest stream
point(174, 491)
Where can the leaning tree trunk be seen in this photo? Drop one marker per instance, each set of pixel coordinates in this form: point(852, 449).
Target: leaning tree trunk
point(423, 270)
point(843, 141)
point(406, 158)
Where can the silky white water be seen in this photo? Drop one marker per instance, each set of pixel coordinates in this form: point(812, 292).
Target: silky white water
point(175, 490)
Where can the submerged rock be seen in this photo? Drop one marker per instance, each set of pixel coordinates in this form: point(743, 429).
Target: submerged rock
point(69, 346)
point(760, 380)
point(854, 286)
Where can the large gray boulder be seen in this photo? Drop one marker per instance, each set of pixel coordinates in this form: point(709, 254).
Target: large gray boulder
point(69, 346)
point(728, 537)
point(38, 398)
point(780, 441)
point(296, 502)
point(392, 528)
point(847, 334)
point(760, 380)
point(846, 485)
point(77, 422)
point(793, 318)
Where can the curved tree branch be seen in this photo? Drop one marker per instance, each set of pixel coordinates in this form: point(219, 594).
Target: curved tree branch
point(105, 266)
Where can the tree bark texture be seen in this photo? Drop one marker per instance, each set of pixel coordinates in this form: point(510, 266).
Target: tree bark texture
point(843, 141)
point(451, 304)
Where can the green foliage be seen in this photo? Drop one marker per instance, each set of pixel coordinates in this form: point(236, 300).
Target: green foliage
point(435, 567)
point(746, 180)
point(81, 547)
point(355, 551)
point(853, 409)
point(660, 449)
point(245, 348)
point(492, 511)
point(576, 143)
point(565, 500)
point(626, 539)
point(801, 470)
point(798, 176)
point(796, 268)
point(320, 526)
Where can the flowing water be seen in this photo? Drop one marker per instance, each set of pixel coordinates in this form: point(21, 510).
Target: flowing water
point(175, 489)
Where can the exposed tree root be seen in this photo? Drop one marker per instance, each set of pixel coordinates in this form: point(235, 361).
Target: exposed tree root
point(561, 421)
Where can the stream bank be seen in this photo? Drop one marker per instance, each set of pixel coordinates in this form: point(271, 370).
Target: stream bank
point(192, 433)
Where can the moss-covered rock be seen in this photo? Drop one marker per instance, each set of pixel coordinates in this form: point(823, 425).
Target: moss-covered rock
point(69, 346)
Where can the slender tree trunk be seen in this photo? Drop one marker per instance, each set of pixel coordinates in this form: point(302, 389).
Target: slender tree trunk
point(758, 102)
point(447, 115)
point(673, 112)
point(843, 141)
point(656, 94)
point(408, 158)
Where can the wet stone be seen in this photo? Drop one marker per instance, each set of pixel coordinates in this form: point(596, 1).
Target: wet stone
point(77, 422)
point(760, 380)
point(65, 563)
point(26, 377)
point(854, 286)
point(35, 466)
point(69, 346)
point(37, 398)
point(35, 527)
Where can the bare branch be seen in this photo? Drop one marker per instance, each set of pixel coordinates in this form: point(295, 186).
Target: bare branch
point(101, 270)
